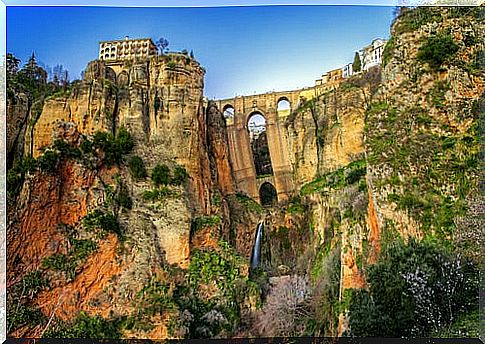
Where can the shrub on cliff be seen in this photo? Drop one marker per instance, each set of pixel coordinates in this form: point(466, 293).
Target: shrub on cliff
point(214, 314)
point(161, 175)
point(114, 147)
point(107, 222)
point(437, 50)
point(205, 221)
point(180, 175)
point(84, 326)
point(137, 167)
point(21, 315)
point(124, 200)
point(412, 19)
point(414, 289)
point(158, 194)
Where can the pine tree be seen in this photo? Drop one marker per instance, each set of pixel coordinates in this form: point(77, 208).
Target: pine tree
point(356, 66)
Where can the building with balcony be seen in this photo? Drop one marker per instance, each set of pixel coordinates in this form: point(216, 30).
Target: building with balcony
point(127, 49)
point(371, 55)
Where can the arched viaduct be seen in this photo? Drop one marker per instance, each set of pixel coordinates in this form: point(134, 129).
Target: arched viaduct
point(241, 154)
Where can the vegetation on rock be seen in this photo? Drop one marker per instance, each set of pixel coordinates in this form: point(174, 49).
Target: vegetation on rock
point(137, 167)
point(415, 288)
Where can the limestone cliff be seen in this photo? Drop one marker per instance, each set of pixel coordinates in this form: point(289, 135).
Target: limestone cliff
point(17, 112)
point(159, 102)
point(394, 153)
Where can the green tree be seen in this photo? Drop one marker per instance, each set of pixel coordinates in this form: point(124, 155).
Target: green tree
point(162, 45)
point(13, 64)
point(137, 167)
point(179, 176)
point(356, 65)
point(415, 289)
point(161, 175)
point(437, 50)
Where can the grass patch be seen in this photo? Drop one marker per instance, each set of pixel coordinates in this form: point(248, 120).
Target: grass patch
point(338, 179)
point(205, 222)
point(158, 194)
point(249, 203)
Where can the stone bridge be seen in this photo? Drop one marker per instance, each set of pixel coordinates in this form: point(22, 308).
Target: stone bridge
point(238, 112)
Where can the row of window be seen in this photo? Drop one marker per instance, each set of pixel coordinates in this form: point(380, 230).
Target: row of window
point(125, 44)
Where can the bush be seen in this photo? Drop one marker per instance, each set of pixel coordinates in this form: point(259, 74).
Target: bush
point(20, 315)
point(344, 176)
point(388, 49)
point(161, 175)
point(124, 141)
point(32, 283)
point(414, 289)
point(205, 221)
point(249, 203)
point(296, 206)
point(179, 176)
point(123, 199)
point(285, 312)
point(155, 298)
point(157, 194)
point(65, 149)
point(49, 161)
point(220, 312)
point(137, 167)
point(324, 305)
point(412, 19)
point(85, 326)
point(68, 263)
point(171, 65)
point(106, 222)
point(114, 147)
point(437, 50)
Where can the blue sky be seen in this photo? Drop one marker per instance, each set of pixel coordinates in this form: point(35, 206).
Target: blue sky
point(245, 50)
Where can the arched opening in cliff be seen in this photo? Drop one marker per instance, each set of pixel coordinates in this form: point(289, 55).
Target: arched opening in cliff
point(268, 195)
point(228, 111)
point(259, 144)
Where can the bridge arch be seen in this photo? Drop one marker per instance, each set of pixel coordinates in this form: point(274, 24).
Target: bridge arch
point(228, 111)
point(267, 194)
point(283, 104)
point(258, 140)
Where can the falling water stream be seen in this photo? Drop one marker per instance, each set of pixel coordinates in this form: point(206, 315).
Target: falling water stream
point(256, 254)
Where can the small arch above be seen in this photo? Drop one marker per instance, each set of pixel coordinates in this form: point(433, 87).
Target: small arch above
point(228, 111)
point(283, 104)
point(268, 195)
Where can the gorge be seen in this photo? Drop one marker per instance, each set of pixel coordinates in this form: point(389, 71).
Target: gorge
point(133, 201)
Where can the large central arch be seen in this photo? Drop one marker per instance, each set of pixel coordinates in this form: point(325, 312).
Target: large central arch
point(258, 139)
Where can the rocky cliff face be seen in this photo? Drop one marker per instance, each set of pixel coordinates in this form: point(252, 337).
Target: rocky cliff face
point(160, 103)
point(421, 138)
point(17, 112)
point(393, 153)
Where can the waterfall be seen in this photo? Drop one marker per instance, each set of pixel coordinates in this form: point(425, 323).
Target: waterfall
point(256, 254)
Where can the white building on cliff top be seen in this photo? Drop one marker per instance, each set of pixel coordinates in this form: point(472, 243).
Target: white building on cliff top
point(127, 49)
point(371, 55)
